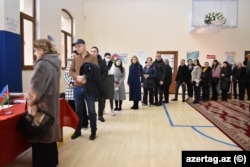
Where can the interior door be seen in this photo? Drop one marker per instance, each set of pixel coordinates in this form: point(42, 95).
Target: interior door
point(172, 57)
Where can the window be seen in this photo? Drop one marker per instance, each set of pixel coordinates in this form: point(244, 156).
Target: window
point(28, 31)
point(66, 36)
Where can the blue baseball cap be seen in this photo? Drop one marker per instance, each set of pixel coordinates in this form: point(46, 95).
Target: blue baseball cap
point(79, 41)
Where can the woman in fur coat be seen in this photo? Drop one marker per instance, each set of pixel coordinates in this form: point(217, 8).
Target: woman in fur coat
point(44, 92)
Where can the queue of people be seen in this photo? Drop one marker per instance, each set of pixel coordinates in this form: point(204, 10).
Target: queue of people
point(86, 73)
point(148, 84)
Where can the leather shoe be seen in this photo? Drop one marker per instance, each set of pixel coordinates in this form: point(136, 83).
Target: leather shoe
point(101, 119)
point(75, 135)
point(92, 136)
point(174, 100)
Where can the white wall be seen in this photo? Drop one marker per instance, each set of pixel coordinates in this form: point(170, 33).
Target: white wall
point(144, 25)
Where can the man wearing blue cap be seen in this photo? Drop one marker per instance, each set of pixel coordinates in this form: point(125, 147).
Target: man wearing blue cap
point(80, 91)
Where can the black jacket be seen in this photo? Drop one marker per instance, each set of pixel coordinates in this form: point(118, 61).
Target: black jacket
point(103, 67)
point(182, 74)
point(160, 68)
point(168, 77)
point(206, 76)
point(94, 83)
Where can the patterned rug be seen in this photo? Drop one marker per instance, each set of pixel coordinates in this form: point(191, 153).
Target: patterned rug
point(232, 118)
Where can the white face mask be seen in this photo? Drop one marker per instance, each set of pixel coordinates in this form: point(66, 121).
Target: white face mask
point(107, 59)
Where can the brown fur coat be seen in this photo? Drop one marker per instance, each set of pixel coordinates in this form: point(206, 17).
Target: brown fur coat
point(44, 91)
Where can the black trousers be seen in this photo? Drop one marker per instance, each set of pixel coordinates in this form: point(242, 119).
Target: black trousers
point(205, 92)
point(72, 104)
point(101, 105)
point(145, 95)
point(158, 89)
point(215, 82)
point(44, 154)
point(190, 89)
point(166, 92)
point(235, 84)
point(197, 93)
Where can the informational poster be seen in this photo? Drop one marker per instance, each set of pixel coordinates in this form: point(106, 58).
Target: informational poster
point(122, 56)
point(230, 57)
point(192, 55)
point(142, 56)
point(170, 58)
point(211, 56)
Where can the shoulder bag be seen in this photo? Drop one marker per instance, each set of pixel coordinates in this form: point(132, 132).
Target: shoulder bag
point(35, 125)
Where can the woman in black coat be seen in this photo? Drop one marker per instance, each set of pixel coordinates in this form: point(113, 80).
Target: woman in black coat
point(134, 81)
point(148, 80)
point(206, 79)
point(225, 80)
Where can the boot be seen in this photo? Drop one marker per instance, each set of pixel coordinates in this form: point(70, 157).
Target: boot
point(120, 105)
point(92, 135)
point(116, 105)
point(136, 105)
point(133, 106)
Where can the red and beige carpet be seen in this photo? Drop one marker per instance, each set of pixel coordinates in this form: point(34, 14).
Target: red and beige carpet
point(231, 117)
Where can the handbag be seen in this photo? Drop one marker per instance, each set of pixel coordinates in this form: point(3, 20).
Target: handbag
point(35, 125)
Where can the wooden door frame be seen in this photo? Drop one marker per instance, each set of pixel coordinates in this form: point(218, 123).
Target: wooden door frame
point(175, 53)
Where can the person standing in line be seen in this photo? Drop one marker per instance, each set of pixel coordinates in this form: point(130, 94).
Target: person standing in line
point(159, 80)
point(196, 78)
point(109, 81)
point(134, 82)
point(216, 69)
point(235, 78)
point(44, 88)
point(103, 72)
point(225, 75)
point(69, 94)
point(206, 79)
point(80, 91)
point(119, 87)
point(181, 79)
point(243, 83)
point(167, 81)
point(148, 80)
point(190, 87)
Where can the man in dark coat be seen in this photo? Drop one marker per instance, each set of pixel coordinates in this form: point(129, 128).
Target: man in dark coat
point(159, 80)
point(167, 81)
point(103, 74)
point(181, 80)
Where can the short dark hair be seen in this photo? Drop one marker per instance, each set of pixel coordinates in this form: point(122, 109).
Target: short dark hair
point(94, 47)
point(107, 54)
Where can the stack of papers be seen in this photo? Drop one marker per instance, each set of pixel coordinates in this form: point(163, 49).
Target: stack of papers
point(19, 101)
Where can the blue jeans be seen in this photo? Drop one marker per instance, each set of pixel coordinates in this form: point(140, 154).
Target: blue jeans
point(80, 94)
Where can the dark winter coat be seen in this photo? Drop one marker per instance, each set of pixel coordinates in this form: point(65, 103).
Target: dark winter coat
point(161, 71)
point(182, 74)
point(168, 77)
point(94, 84)
point(206, 76)
point(134, 81)
point(150, 81)
point(225, 81)
point(103, 67)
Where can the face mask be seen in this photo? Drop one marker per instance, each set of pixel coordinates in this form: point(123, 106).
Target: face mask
point(107, 59)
